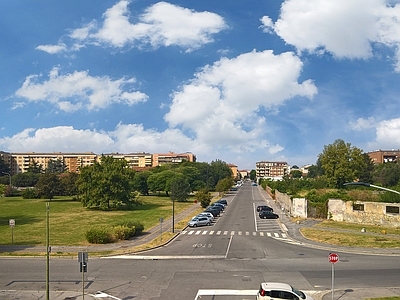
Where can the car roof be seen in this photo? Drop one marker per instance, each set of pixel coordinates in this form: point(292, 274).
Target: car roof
point(276, 286)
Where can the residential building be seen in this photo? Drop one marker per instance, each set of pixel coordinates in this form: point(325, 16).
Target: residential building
point(160, 159)
point(140, 160)
point(20, 162)
point(234, 170)
point(384, 156)
point(274, 170)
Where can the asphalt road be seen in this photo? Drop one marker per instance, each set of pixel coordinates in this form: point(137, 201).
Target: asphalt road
point(235, 253)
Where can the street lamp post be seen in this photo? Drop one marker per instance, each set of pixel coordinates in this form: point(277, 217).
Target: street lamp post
point(371, 185)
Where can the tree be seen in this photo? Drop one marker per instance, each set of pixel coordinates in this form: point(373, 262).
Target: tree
point(253, 175)
point(48, 186)
point(35, 168)
point(296, 174)
point(204, 197)
point(27, 179)
point(341, 163)
point(224, 185)
point(192, 175)
point(180, 188)
point(56, 166)
point(106, 184)
point(68, 183)
point(140, 182)
point(219, 170)
point(315, 171)
point(366, 174)
point(387, 174)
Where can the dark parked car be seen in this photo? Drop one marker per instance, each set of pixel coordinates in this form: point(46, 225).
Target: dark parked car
point(264, 207)
point(223, 201)
point(214, 211)
point(216, 204)
point(266, 214)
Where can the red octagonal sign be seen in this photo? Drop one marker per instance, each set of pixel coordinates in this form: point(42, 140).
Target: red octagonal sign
point(333, 258)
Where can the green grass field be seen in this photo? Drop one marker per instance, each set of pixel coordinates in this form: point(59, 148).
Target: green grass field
point(69, 220)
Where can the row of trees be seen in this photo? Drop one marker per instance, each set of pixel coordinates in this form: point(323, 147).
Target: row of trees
point(111, 183)
point(339, 163)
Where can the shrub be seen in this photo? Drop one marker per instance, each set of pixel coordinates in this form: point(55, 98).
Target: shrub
point(30, 193)
point(132, 227)
point(98, 235)
point(123, 232)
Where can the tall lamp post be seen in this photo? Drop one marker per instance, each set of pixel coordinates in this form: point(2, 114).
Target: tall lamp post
point(371, 185)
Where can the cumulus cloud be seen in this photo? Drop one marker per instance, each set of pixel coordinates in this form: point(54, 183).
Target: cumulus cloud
point(221, 104)
point(70, 92)
point(162, 24)
point(125, 138)
point(387, 135)
point(344, 28)
point(363, 123)
point(60, 138)
point(53, 49)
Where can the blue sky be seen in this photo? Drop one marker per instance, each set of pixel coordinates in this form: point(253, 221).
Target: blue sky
point(241, 81)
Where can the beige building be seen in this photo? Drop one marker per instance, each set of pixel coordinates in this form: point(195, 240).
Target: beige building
point(138, 160)
point(20, 162)
point(272, 169)
point(234, 169)
point(383, 156)
point(160, 159)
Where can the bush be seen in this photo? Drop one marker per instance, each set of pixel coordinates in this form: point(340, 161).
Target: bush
point(98, 235)
point(30, 193)
point(132, 227)
point(123, 232)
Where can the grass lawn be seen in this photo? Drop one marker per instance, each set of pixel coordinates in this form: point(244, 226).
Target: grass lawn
point(69, 220)
point(349, 234)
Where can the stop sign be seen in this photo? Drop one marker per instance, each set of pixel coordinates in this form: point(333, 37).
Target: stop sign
point(333, 258)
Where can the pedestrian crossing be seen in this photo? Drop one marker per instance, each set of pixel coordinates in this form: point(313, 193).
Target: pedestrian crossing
point(278, 235)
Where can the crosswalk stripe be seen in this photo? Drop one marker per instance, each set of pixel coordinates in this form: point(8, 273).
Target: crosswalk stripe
point(280, 236)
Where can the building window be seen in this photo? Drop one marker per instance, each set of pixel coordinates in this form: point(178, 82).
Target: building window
point(392, 209)
point(358, 207)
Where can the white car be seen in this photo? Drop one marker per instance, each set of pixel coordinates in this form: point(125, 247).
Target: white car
point(206, 214)
point(280, 291)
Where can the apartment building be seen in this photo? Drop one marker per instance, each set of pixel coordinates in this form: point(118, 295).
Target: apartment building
point(20, 162)
point(274, 170)
point(160, 159)
point(140, 160)
point(383, 156)
point(234, 170)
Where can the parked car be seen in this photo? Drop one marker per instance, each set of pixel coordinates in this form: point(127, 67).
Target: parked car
point(267, 214)
point(218, 205)
point(214, 211)
point(277, 291)
point(206, 214)
point(199, 221)
point(223, 201)
point(264, 207)
point(254, 184)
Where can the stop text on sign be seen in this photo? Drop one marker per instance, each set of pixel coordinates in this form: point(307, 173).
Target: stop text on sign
point(333, 258)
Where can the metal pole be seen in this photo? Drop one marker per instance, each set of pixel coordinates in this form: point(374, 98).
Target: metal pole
point(83, 284)
point(173, 215)
point(333, 280)
point(47, 251)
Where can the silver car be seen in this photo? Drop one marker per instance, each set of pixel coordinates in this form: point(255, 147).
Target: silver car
point(199, 221)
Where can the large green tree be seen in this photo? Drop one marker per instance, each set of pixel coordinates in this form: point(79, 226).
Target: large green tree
point(140, 182)
point(341, 163)
point(179, 187)
point(106, 184)
point(56, 166)
point(48, 186)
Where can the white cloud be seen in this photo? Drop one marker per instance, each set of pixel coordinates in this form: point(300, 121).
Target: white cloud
point(362, 124)
point(221, 104)
point(53, 49)
point(387, 135)
point(60, 138)
point(73, 91)
point(162, 24)
point(345, 28)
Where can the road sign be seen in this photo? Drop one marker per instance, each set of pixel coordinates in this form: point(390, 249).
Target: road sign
point(12, 222)
point(333, 258)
